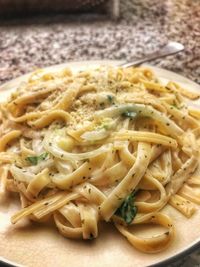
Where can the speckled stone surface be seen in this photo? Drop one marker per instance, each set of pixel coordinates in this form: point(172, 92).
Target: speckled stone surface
point(143, 27)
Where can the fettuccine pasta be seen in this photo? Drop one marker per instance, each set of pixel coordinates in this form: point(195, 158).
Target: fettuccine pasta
point(107, 144)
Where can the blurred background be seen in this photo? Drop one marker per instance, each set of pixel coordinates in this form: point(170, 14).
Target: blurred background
point(39, 33)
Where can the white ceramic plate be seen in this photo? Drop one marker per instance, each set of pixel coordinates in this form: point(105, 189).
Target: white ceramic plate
point(38, 245)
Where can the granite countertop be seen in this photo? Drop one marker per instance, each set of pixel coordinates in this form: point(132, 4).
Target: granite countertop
point(143, 27)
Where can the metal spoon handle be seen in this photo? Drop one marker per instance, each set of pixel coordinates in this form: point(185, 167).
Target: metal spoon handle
point(169, 49)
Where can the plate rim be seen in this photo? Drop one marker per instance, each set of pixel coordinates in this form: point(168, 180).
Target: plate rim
point(8, 85)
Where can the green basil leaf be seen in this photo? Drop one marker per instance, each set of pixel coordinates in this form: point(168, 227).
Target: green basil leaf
point(127, 211)
point(34, 160)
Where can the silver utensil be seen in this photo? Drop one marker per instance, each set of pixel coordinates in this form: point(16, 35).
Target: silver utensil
point(169, 49)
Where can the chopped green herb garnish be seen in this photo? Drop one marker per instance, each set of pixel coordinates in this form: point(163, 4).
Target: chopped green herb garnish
point(34, 160)
point(91, 236)
point(129, 114)
point(105, 126)
point(127, 210)
point(175, 106)
point(110, 98)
